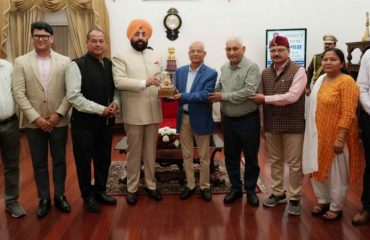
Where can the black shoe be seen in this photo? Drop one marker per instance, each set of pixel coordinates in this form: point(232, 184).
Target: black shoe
point(186, 193)
point(91, 205)
point(44, 206)
point(206, 194)
point(105, 199)
point(154, 194)
point(252, 199)
point(131, 198)
point(232, 196)
point(62, 204)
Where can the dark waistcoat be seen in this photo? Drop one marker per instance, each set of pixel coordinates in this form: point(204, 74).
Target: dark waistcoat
point(282, 119)
point(96, 85)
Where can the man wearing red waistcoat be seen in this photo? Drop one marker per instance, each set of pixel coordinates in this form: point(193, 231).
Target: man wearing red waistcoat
point(282, 95)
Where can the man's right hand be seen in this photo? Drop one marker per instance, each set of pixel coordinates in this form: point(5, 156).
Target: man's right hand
point(214, 97)
point(108, 112)
point(153, 80)
point(44, 124)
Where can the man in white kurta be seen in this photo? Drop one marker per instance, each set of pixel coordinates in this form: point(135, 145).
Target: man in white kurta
point(135, 72)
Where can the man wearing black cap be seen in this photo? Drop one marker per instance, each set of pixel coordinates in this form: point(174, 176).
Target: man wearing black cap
point(282, 86)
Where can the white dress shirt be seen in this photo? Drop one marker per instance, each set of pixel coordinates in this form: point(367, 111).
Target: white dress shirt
point(76, 98)
point(363, 81)
point(189, 82)
point(7, 105)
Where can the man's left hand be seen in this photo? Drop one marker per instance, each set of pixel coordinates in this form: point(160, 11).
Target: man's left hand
point(54, 119)
point(257, 98)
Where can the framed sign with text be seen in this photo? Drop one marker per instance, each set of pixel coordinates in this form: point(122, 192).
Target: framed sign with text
point(297, 41)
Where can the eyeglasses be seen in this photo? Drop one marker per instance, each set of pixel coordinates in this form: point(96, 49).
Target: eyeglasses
point(195, 51)
point(234, 49)
point(41, 37)
point(280, 50)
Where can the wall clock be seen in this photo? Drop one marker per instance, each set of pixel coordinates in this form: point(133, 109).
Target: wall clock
point(172, 22)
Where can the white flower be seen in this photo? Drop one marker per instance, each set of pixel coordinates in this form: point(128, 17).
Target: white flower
point(161, 131)
point(167, 131)
point(165, 138)
point(176, 143)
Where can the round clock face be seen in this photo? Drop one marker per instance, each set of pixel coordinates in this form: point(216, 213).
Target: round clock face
point(172, 22)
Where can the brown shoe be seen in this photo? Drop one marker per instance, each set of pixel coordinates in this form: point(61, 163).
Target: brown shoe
point(361, 218)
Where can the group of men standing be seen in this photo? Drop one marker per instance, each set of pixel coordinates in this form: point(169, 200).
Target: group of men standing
point(46, 84)
point(279, 89)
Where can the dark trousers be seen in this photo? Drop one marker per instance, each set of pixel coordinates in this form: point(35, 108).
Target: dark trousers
point(92, 144)
point(39, 142)
point(242, 135)
point(9, 148)
point(365, 126)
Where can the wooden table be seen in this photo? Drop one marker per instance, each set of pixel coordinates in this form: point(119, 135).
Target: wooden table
point(171, 155)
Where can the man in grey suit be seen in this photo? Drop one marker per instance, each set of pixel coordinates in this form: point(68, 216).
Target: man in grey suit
point(40, 92)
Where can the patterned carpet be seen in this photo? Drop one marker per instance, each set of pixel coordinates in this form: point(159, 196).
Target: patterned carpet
point(169, 179)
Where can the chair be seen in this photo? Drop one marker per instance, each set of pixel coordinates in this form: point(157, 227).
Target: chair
point(169, 113)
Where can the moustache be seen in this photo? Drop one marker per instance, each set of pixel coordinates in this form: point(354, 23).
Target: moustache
point(139, 42)
point(139, 45)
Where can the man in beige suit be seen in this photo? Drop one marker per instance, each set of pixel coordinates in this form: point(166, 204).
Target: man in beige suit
point(135, 72)
point(40, 92)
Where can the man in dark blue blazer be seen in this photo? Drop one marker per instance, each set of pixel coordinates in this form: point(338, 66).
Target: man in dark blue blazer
point(194, 119)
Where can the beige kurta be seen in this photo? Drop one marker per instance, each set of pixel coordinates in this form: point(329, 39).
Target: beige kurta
point(141, 112)
point(138, 106)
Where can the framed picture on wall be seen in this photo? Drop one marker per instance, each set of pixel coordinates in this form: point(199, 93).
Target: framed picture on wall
point(297, 41)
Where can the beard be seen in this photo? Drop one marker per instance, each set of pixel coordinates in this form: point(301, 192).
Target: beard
point(139, 45)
